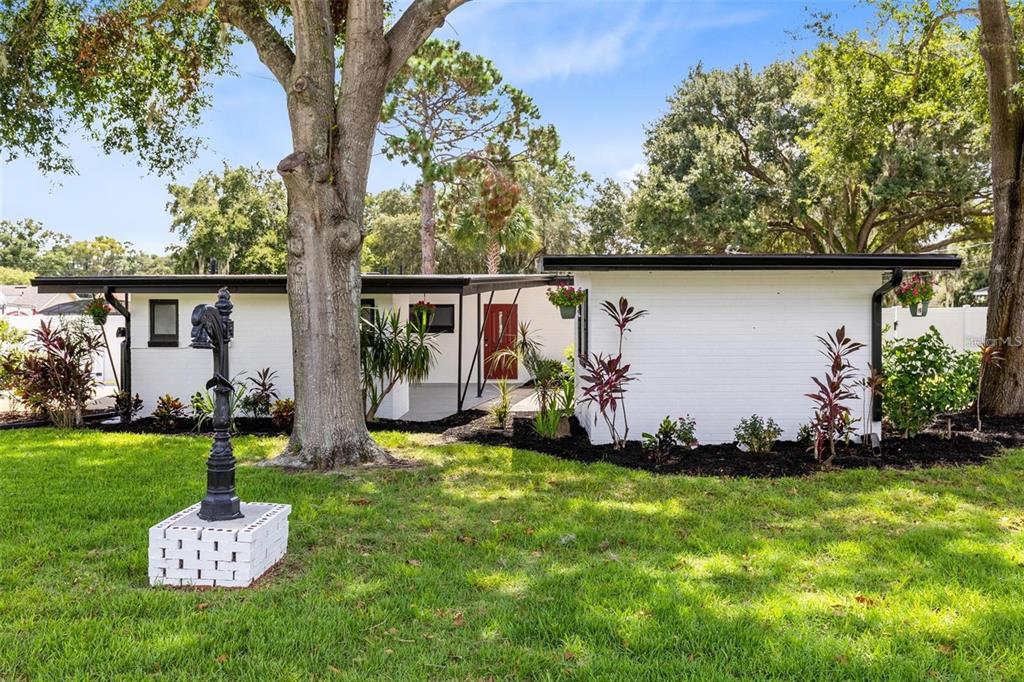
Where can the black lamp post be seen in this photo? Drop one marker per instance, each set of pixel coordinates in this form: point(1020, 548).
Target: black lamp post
point(212, 328)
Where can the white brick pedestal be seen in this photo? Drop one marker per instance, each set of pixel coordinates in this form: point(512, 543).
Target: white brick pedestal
point(184, 550)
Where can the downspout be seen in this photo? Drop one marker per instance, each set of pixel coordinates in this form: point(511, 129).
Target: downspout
point(126, 344)
point(876, 332)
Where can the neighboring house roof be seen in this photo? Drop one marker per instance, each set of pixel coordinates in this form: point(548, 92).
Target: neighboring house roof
point(21, 299)
point(71, 308)
point(272, 284)
point(980, 293)
point(750, 261)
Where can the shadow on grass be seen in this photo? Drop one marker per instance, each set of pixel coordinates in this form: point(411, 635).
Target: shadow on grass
point(494, 562)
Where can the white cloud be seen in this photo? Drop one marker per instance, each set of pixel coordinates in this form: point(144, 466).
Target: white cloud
point(629, 174)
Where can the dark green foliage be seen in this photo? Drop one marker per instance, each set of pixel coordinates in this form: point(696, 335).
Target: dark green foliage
point(925, 377)
point(757, 434)
point(261, 394)
point(392, 351)
point(127, 405)
point(671, 433)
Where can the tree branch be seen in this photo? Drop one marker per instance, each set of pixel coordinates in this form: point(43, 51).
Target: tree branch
point(272, 49)
point(414, 27)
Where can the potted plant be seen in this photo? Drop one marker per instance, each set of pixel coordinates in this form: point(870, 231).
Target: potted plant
point(567, 299)
point(98, 310)
point(423, 310)
point(915, 294)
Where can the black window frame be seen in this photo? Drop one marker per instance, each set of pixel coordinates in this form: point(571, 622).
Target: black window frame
point(433, 327)
point(164, 340)
point(367, 307)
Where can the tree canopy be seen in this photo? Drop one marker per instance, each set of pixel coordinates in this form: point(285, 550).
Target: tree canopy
point(862, 144)
point(239, 217)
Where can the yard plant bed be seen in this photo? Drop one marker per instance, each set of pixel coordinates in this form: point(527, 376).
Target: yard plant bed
point(787, 458)
point(264, 426)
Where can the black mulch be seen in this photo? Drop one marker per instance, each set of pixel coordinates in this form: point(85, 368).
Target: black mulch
point(266, 427)
point(788, 458)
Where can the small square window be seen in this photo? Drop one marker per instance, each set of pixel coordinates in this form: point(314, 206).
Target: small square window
point(443, 319)
point(163, 323)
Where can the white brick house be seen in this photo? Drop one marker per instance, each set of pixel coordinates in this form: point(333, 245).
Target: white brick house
point(729, 336)
point(470, 308)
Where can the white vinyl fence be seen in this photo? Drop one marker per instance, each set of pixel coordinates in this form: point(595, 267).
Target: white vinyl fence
point(962, 328)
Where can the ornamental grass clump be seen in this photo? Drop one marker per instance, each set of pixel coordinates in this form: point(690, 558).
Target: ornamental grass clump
point(392, 352)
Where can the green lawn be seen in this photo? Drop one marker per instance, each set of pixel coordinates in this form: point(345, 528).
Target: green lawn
point(493, 563)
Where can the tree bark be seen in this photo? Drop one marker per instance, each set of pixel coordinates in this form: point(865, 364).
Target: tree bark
point(325, 178)
point(493, 257)
point(428, 228)
point(1002, 391)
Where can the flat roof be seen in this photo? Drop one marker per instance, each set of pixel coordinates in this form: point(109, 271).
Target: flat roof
point(278, 284)
point(753, 261)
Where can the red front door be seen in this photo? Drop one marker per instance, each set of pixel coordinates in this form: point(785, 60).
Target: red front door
point(498, 317)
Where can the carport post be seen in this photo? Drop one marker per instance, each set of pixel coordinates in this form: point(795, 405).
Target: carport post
point(479, 356)
point(458, 383)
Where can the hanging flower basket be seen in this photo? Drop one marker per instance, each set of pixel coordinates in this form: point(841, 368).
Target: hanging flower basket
point(567, 299)
point(915, 294)
point(422, 310)
point(98, 311)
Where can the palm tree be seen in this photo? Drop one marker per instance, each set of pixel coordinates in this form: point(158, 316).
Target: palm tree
point(496, 222)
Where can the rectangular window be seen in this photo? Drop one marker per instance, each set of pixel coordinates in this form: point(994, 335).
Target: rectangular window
point(367, 306)
point(443, 320)
point(583, 327)
point(163, 323)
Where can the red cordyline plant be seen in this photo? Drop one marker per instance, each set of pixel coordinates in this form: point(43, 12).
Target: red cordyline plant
point(831, 419)
point(604, 377)
point(56, 376)
point(990, 355)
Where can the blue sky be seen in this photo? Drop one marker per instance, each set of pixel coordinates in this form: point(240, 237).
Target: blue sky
point(600, 70)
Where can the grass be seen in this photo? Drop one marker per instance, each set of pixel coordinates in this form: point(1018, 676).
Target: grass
point(494, 563)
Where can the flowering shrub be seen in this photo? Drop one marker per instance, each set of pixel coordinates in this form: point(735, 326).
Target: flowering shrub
point(917, 289)
point(567, 297)
point(98, 310)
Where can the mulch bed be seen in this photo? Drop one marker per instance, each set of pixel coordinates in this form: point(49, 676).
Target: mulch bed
point(788, 458)
point(266, 427)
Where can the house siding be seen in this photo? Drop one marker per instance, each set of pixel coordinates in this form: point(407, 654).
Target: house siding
point(263, 339)
point(721, 346)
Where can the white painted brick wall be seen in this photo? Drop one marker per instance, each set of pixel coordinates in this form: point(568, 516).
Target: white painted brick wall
point(721, 346)
point(211, 555)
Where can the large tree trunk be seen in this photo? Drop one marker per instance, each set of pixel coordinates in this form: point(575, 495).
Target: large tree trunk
point(428, 228)
point(1002, 391)
point(323, 293)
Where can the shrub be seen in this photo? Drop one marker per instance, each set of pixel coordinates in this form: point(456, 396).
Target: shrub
point(55, 377)
point(501, 410)
point(202, 404)
point(832, 419)
point(168, 412)
point(757, 434)
point(604, 383)
point(256, 403)
point(391, 352)
point(127, 405)
point(282, 412)
point(670, 433)
point(925, 377)
point(11, 354)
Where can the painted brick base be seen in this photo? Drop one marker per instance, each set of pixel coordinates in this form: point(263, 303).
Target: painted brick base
point(184, 550)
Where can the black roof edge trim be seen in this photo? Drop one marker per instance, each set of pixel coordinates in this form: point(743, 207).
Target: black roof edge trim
point(865, 261)
point(278, 284)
